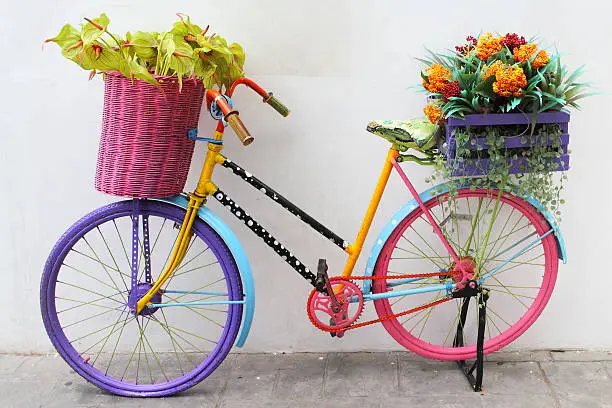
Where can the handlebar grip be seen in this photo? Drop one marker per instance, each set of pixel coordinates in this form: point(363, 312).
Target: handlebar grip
point(239, 128)
point(276, 104)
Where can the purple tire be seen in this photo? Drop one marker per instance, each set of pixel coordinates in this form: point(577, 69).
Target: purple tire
point(85, 263)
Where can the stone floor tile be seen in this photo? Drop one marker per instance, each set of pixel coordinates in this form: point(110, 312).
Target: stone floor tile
point(438, 377)
point(426, 400)
point(253, 377)
point(9, 363)
point(519, 356)
point(301, 377)
point(581, 355)
point(580, 384)
point(361, 375)
point(514, 378)
point(361, 402)
point(524, 400)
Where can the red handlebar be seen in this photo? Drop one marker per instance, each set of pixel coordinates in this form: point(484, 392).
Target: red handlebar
point(248, 82)
point(231, 116)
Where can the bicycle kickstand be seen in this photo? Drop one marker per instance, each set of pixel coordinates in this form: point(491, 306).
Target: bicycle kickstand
point(482, 295)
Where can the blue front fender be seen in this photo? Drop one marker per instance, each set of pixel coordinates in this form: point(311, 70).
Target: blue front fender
point(428, 195)
point(248, 284)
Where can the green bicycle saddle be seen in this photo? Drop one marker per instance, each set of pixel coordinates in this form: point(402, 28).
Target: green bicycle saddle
point(402, 133)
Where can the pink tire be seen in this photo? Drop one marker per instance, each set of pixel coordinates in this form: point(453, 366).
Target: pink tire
point(519, 289)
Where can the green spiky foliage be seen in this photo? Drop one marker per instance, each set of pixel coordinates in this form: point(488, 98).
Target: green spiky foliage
point(186, 50)
point(550, 87)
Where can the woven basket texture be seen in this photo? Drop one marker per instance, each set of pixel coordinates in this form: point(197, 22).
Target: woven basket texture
point(144, 149)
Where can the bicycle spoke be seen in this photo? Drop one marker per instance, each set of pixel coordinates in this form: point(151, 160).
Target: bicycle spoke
point(103, 267)
point(112, 256)
point(127, 258)
point(174, 330)
point(424, 254)
point(195, 269)
point(490, 309)
point(454, 324)
point(82, 303)
point(98, 261)
point(424, 240)
point(90, 276)
point(91, 317)
point(154, 356)
point(144, 348)
point(102, 339)
point(125, 322)
point(112, 331)
point(515, 294)
point(178, 360)
point(510, 293)
point(200, 314)
point(91, 291)
point(426, 320)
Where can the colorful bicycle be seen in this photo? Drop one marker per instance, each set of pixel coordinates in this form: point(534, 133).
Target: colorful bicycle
point(146, 297)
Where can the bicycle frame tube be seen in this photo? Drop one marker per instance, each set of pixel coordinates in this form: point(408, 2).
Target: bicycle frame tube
point(206, 187)
point(355, 250)
point(430, 218)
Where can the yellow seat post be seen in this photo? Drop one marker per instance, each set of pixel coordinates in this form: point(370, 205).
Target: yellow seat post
point(354, 250)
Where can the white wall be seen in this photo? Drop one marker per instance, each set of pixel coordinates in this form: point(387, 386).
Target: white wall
point(330, 61)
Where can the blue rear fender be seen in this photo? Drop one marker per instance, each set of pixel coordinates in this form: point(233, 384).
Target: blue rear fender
point(246, 274)
point(436, 192)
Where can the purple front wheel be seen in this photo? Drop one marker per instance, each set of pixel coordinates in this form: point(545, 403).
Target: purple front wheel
point(87, 285)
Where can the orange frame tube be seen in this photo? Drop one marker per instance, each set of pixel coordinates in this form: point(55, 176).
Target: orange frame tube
point(354, 250)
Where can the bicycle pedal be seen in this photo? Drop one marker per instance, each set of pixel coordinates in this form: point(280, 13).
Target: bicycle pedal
point(338, 334)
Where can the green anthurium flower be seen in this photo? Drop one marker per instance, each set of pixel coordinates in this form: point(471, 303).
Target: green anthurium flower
point(67, 37)
point(94, 28)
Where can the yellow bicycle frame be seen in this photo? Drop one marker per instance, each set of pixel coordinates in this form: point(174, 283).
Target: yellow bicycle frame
point(206, 187)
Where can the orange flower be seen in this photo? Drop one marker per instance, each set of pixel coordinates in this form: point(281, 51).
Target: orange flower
point(433, 114)
point(524, 52)
point(540, 60)
point(487, 46)
point(492, 69)
point(438, 77)
point(509, 81)
point(527, 51)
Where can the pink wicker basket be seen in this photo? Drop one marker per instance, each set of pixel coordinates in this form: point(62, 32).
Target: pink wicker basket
point(144, 148)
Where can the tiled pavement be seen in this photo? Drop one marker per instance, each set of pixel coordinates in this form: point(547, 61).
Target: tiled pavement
point(512, 379)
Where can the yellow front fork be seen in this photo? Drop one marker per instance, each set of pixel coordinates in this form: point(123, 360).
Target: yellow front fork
point(204, 188)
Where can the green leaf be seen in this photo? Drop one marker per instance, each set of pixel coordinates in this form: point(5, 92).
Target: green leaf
point(165, 49)
point(425, 77)
point(108, 60)
point(203, 44)
point(238, 53)
point(91, 32)
point(130, 68)
point(514, 102)
point(485, 88)
point(466, 81)
point(67, 37)
point(144, 45)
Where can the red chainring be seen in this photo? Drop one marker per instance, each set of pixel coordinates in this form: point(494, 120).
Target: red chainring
point(318, 301)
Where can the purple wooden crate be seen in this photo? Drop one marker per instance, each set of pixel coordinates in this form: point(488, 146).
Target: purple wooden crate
point(481, 166)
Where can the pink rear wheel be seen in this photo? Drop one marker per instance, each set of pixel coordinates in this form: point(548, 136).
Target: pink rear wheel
point(483, 229)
